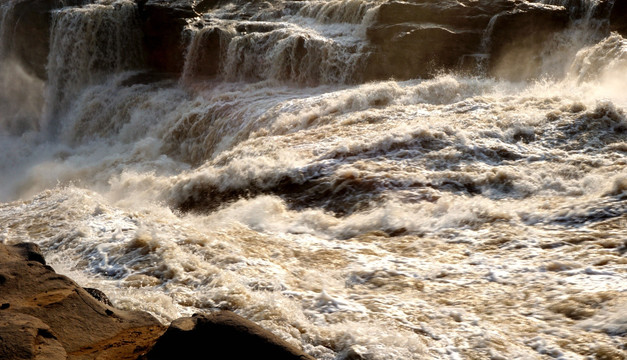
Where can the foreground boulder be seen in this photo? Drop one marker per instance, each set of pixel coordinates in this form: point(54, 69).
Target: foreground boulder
point(26, 337)
point(47, 316)
point(44, 315)
point(221, 335)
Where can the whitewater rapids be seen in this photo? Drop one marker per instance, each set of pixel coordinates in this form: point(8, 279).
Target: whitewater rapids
point(459, 217)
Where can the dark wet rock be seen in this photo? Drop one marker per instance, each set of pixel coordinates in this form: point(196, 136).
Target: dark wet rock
point(29, 39)
point(227, 335)
point(99, 295)
point(202, 6)
point(519, 36)
point(419, 38)
point(405, 51)
point(257, 27)
point(618, 17)
point(163, 23)
point(60, 316)
point(207, 52)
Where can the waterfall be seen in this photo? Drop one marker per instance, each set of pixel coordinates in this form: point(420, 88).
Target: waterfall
point(336, 11)
point(589, 25)
point(308, 43)
point(205, 51)
point(337, 170)
point(283, 53)
point(290, 54)
point(87, 44)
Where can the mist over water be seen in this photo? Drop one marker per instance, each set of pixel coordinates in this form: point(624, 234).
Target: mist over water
point(461, 216)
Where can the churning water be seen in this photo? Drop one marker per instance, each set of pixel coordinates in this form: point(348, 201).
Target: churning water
point(456, 217)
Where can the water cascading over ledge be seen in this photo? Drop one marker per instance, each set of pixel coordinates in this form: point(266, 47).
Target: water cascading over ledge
point(243, 155)
point(87, 44)
point(317, 42)
point(382, 40)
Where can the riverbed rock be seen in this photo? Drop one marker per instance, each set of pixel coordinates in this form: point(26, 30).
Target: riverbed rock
point(419, 38)
point(26, 337)
point(518, 37)
point(49, 315)
point(162, 24)
point(223, 335)
point(618, 17)
point(29, 38)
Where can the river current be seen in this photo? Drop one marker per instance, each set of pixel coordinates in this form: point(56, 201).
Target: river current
point(456, 217)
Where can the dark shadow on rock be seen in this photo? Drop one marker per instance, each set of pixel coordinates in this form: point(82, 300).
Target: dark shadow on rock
point(223, 335)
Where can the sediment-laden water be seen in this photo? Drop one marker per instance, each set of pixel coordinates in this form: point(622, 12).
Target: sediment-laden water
point(456, 217)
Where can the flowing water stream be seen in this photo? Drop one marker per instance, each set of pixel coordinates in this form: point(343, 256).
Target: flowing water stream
point(458, 217)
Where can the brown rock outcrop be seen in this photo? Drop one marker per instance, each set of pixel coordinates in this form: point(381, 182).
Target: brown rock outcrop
point(49, 315)
point(46, 316)
point(405, 51)
point(26, 337)
point(418, 38)
point(618, 17)
point(227, 335)
point(29, 38)
point(163, 23)
point(518, 37)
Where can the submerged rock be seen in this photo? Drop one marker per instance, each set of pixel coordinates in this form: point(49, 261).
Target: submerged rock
point(223, 335)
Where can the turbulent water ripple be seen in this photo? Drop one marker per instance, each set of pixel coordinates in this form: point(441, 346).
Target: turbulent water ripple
point(458, 217)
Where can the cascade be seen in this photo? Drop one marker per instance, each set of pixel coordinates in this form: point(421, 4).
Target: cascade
point(260, 168)
point(337, 11)
point(88, 43)
point(283, 52)
point(290, 54)
point(589, 26)
point(307, 43)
